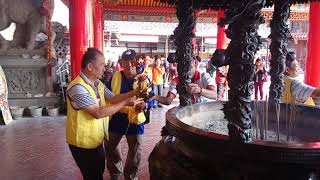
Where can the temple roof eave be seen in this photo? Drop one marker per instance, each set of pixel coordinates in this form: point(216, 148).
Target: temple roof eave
point(167, 7)
point(223, 4)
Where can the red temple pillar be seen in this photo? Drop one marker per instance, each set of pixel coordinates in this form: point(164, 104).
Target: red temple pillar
point(312, 73)
point(98, 25)
point(194, 40)
point(221, 35)
point(221, 44)
point(79, 33)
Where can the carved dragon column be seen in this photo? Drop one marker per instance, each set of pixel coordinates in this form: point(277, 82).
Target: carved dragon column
point(244, 18)
point(280, 34)
point(183, 35)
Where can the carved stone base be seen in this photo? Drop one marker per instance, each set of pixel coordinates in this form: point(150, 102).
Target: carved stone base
point(27, 102)
point(11, 52)
point(28, 81)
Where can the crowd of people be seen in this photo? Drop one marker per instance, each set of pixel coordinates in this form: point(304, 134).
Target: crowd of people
point(162, 74)
point(108, 102)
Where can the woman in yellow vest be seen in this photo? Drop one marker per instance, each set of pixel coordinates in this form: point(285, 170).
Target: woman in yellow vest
point(87, 114)
point(296, 91)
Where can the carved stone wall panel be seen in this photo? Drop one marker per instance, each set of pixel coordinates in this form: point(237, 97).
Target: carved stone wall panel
point(26, 80)
point(25, 75)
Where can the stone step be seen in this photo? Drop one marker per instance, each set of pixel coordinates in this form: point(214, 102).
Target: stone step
point(34, 101)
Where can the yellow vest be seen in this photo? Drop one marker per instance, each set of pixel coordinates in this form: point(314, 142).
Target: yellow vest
point(287, 96)
point(148, 71)
point(82, 129)
point(133, 116)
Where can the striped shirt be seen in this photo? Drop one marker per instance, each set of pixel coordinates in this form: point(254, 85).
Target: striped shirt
point(80, 97)
point(300, 91)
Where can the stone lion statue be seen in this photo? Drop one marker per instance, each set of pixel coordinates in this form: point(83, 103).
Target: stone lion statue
point(30, 19)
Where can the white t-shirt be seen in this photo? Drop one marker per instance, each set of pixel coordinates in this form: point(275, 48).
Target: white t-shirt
point(204, 80)
point(300, 91)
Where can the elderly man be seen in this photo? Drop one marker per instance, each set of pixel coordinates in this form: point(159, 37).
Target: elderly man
point(128, 122)
point(87, 114)
point(296, 91)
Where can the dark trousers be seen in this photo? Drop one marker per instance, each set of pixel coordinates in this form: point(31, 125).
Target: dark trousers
point(90, 161)
point(114, 160)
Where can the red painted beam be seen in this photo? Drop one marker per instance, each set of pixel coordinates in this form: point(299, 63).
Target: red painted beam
point(139, 8)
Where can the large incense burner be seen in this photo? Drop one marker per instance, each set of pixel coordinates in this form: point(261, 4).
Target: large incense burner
point(285, 144)
point(238, 139)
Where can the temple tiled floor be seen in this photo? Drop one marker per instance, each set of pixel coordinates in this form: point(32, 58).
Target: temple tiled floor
point(35, 148)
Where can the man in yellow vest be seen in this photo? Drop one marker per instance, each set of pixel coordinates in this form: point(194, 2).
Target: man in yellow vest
point(124, 124)
point(87, 114)
point(294, 90)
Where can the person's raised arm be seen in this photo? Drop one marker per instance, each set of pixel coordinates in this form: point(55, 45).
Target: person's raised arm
point(101, 112)
point(166, 100)
point(208, 92)
point(316, 93)
point(121, 97)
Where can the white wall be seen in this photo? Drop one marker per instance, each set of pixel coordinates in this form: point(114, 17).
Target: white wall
point(61, 13)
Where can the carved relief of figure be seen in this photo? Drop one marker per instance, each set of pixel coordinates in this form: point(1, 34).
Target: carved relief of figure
point(30, 19)
point(24, 80)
